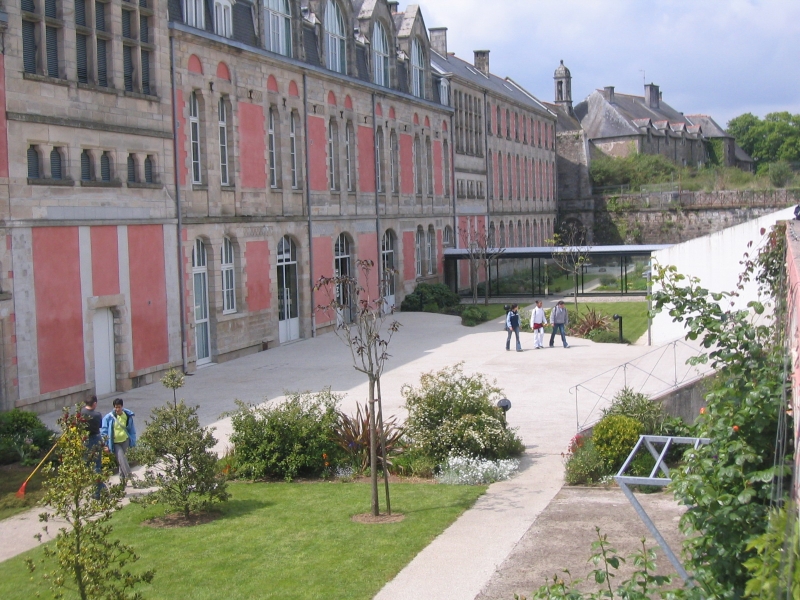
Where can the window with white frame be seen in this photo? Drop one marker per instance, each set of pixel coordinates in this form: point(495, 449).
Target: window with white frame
point(194, 13)
point(429, 165)
point(228, 277)
point(417, 69)
point(223, 143)
point(293, 148)
point(431, 250)
point(444, 91)
point(194, 132)
point(419, 249)
point(349, 156)
point(223, 25)
point(334, 38)
point(446, 168)
point(279, 26)
point(418, 165)
point(394, 162)
point(273, 150)
point(333, 154)
point(447, 236)
point(379, 165)
point(380, 55)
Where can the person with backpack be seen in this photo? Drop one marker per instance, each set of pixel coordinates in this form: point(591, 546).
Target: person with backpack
point(512, 325)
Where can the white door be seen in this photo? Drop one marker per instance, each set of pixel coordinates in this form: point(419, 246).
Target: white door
point(341, 268)
point(389, 276)
point(288, 309)
point(201, 327)
point(104, 374)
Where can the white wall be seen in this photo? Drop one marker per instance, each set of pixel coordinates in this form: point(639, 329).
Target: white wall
point(714, 259)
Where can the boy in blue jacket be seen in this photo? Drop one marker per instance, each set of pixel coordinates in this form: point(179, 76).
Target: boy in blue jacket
point(119, 432)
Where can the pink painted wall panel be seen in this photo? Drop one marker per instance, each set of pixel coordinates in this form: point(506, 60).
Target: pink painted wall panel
point(3, 121)
point(105, 260)
point(437, 168)
point(406, 164)
point(59, 312)
point(148, 295)
point(252, 145)
point(183, 140)
point(258, 275)
point(323, 267)
point(409, 264)
point(317, 154)
point(368, 250)
point(366, 159)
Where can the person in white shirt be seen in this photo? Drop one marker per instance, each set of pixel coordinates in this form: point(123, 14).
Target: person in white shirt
point(537, 325)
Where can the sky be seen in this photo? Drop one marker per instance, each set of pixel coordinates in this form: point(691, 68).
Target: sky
point(717, 57)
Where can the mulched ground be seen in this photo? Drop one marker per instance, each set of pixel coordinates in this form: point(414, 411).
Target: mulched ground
point(384, 518)
point(174, 520)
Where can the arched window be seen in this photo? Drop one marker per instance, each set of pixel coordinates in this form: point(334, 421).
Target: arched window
point(528, 240)
point(419, 249)
point(508, 124)
point(279, 27)
point(341, 265)
point(520, 232)
point(288, 297)
point(105, 167)
point(501, 186)
point(417, 69)
point(194, 130)
point(334, 38)
point(131, 168)
point(55, 164)
point(490, 174)
point(447, 236)
point(492, 235)
point(431, 250)
point(498, 120)
point(148, 170)
point(380, 55)
point(502, 235)
point(223, 24)
point(511, 234)
point(223, 143)
point(228, 277)
point(388, 267)
point(86, 166)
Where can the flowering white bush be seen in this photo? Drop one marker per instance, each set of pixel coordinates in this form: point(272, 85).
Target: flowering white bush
point(464, 470)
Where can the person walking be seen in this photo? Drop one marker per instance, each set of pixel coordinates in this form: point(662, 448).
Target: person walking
point(512, 324)
point(559, 318)
point(94, 440)
point(119, 431)
point(537, 325)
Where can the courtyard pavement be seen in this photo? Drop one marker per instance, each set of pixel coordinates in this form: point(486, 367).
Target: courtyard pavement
point(461, 561)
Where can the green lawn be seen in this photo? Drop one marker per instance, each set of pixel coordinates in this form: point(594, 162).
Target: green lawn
point(11, 478)
point(634, 316)
point(280, 540)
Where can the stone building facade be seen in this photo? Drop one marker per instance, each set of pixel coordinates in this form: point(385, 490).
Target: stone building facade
point(176, 177)
point(504, 155)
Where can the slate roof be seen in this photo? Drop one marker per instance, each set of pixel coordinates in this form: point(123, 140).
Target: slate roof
point(564, 120)
point(710, 127)
point(457, 67)
point(625, 116)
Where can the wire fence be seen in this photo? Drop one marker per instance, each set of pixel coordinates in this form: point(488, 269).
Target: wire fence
point(661, 370)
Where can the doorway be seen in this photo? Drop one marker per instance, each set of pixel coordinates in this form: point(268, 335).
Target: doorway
point(201, 325)
point(104, 372)
point(288, 312)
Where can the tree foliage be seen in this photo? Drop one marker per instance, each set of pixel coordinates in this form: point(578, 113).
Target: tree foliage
point(180, 465)
point(774, 138)
point(88, 560)
point(481, 248)
point(730, 483)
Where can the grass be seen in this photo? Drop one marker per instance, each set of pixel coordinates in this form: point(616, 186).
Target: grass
point(634, 316)
point(279, 540)
point(11, 478)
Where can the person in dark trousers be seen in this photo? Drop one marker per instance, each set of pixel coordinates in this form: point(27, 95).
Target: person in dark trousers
point(119, 431)
point(512, 324)
point(94, 440)
point(559, 318)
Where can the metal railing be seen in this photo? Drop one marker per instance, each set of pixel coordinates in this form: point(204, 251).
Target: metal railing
point(662, 369)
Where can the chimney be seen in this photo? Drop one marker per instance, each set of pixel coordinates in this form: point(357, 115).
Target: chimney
point(608, 92)
point(651, 95)
point(393, 7)
point(438, 37)
point(482, 61)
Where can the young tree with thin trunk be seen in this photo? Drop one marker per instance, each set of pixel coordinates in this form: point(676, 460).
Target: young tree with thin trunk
point(367, 335)
point(481, 250)
point(571, 253)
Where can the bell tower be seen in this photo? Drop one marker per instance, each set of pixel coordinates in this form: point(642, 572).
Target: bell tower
point(563, 87)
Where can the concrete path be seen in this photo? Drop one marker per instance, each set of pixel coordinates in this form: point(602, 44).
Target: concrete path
point(461, 561)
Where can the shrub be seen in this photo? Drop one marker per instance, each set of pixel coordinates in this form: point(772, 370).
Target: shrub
point(780, 173)
point(606, 337)
point(588, 322)
point(352, 435)
point(472, 315)
point(295, 437)
point(23, 437)
point(638, 406)
point(583, 465)
point(427, 294)
point(463, 470)
point(451, 412)
point(614, 437)
point(608, 280)
point(180, 464)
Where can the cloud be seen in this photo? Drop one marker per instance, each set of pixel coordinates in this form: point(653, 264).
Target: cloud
point(720, 57)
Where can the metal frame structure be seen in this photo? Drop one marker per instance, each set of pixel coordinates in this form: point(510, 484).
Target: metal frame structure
point(624, 481)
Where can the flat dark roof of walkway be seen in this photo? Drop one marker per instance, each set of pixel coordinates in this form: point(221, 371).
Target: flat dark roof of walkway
point(548, 251)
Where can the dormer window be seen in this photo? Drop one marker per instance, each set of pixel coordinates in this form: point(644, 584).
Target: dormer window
point(417, 69)
point(444, 91)
point(279, 26)
point(223, 25)
point(194, 13)
point(334, 38)
point(380, 55)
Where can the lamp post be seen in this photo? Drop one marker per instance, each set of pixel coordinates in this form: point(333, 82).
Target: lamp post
point(619, 318)
point(505, 406)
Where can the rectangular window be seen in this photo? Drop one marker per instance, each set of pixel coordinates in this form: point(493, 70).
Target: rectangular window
point(100, 16)
point(223, 142)
point(333, 149)
point(29, 46)
point(148, 170)
point(80, 55)
point(194, 130)
point(127, 67)
point(293, 149)
point(126, 24)
point(51, 33)
point(273, 159)
point(348, 156)
point(228, 279)
point(144, 30)
point(102, 71)
point(145, 58)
